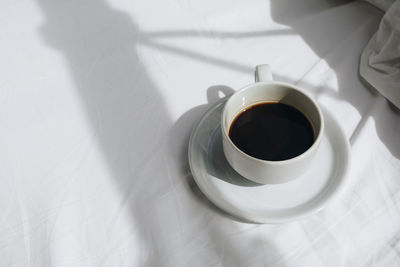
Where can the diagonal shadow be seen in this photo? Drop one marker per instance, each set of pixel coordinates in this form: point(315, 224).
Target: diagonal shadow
point(215, 34)
point(198, 56)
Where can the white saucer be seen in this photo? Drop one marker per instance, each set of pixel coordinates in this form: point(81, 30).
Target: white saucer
point(273, 203)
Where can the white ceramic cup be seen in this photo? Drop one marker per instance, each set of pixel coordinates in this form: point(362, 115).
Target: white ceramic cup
point(267, 90)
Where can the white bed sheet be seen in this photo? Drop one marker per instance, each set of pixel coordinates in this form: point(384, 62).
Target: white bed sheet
point(98, 99)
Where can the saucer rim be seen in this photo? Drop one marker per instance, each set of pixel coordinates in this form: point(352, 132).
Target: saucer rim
point(237, 212)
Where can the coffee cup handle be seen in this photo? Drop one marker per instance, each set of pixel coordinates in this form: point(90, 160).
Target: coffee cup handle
point(263, 73)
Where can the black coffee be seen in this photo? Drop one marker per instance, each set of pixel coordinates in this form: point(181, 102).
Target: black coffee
point(271, 131)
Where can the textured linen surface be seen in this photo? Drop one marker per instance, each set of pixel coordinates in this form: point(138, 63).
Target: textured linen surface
point(98, 99)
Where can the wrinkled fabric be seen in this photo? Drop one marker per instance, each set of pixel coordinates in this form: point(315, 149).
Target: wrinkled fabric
point(382, 4)
point(97, 102)
point(380, 60)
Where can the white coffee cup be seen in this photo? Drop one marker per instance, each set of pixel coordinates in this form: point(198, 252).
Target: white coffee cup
point(267, 90)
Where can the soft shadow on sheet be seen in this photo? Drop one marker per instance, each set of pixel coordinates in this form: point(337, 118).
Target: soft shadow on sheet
point(127, 116)
point(98, 44)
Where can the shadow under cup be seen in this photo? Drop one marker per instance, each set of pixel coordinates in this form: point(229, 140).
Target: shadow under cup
point(264, 171)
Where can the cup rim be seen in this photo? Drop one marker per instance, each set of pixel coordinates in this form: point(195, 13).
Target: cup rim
point(277, 162)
